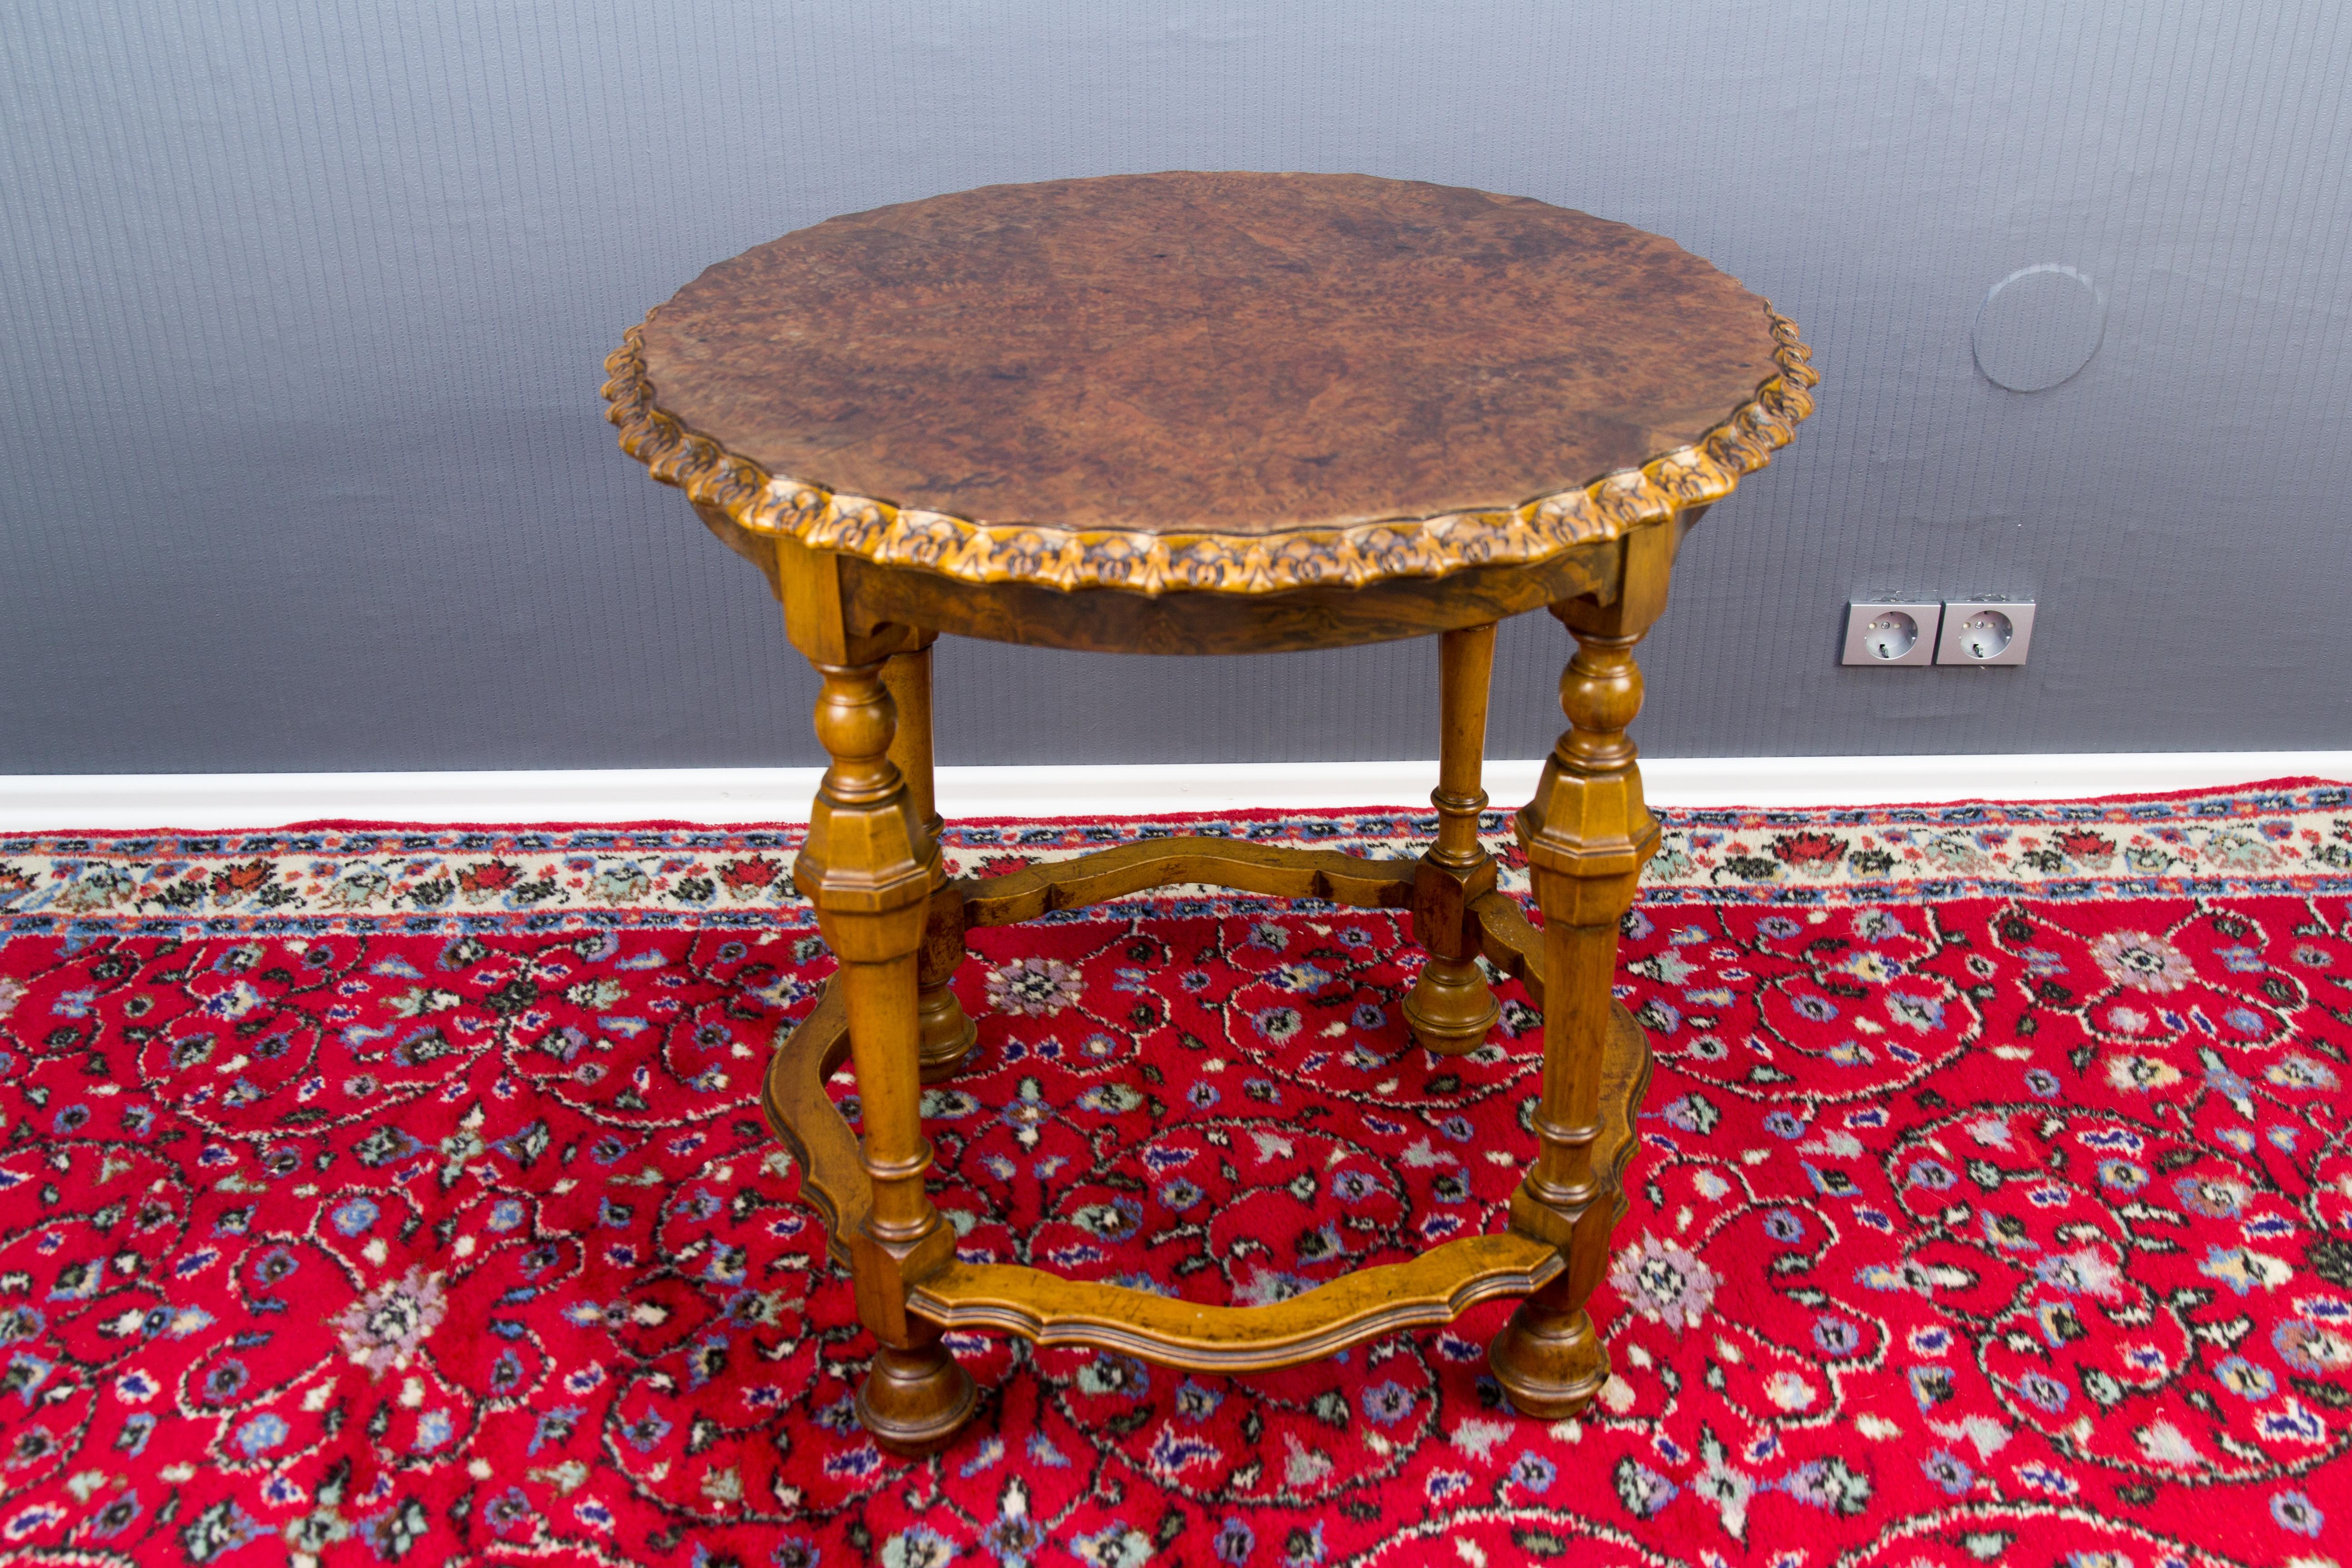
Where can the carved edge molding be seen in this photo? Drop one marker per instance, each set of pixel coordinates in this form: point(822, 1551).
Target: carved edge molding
point(980, 551)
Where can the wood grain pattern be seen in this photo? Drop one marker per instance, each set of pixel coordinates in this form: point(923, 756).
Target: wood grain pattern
point(1510, 942)
point(1587, 834)
point(1311, 379)
point(946, 1035)
point(1212, 414)
point(1450, 1008)
point(1433, 1289)
point(879, 603)
point(1154, 352)
point(1113, 620)
point(1275, 870)
point(868, 864)
point(808, 1123)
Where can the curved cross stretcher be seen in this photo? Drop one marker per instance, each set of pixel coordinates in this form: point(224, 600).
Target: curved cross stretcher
point(1434, 1287)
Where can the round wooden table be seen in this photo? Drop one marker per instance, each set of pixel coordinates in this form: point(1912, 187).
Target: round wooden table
point(1230, 413)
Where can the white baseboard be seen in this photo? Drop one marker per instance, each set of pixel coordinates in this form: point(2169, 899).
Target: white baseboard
point(204, 802)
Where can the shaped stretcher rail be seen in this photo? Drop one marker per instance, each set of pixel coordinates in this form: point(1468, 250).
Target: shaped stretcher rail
point(1275, 870)
point(1434, 1288)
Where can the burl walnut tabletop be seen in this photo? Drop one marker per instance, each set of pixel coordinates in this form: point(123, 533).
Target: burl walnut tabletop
point(1212, 414)
point(1225, 381)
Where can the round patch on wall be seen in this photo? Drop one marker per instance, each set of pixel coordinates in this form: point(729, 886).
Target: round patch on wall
point(2038, 326)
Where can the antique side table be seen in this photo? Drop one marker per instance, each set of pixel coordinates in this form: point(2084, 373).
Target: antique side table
point(1212, 414)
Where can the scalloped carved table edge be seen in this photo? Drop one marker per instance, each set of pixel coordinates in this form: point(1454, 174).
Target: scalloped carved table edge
point(867, 587)
point(807, 507)
point(974, 551)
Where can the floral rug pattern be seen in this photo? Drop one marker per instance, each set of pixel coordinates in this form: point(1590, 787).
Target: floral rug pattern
point(374, 1195)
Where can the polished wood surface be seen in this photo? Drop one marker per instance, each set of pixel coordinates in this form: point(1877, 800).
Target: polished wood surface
point(1224, 414)
point(944, 1035)
point(872, 865)
point(1327, 380)
point(811, 1127)
point(1434, 1287)
point(1113, 620)
point(1161, 352)
point(1587, 835)
point(868, 865)
point(1450, 1008)
point(1179, 861)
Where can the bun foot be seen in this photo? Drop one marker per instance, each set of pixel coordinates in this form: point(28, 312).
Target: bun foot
point(914, 1401)
point(1549, 1360)
point(947, 1034)
point(1449, 1009)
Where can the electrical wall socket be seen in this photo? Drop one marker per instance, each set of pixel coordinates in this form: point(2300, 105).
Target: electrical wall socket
point(1891, 635)
point(1985, 631)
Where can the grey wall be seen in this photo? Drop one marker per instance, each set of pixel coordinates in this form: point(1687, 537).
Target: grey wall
point(304, 305)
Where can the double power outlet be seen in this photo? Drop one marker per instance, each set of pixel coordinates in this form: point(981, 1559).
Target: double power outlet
point(1959, 631)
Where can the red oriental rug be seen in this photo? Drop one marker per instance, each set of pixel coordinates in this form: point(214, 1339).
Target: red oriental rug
point(380, 1195)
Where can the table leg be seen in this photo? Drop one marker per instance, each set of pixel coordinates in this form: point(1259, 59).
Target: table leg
point(868, 866)
point(1450, 1008)
point(947, 1034)
point(1587, 834)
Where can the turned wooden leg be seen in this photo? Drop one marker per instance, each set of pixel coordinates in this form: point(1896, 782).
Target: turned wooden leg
point(1587, 834)
point(868, 866)
point(947, 1033)
point(1449, 1009)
